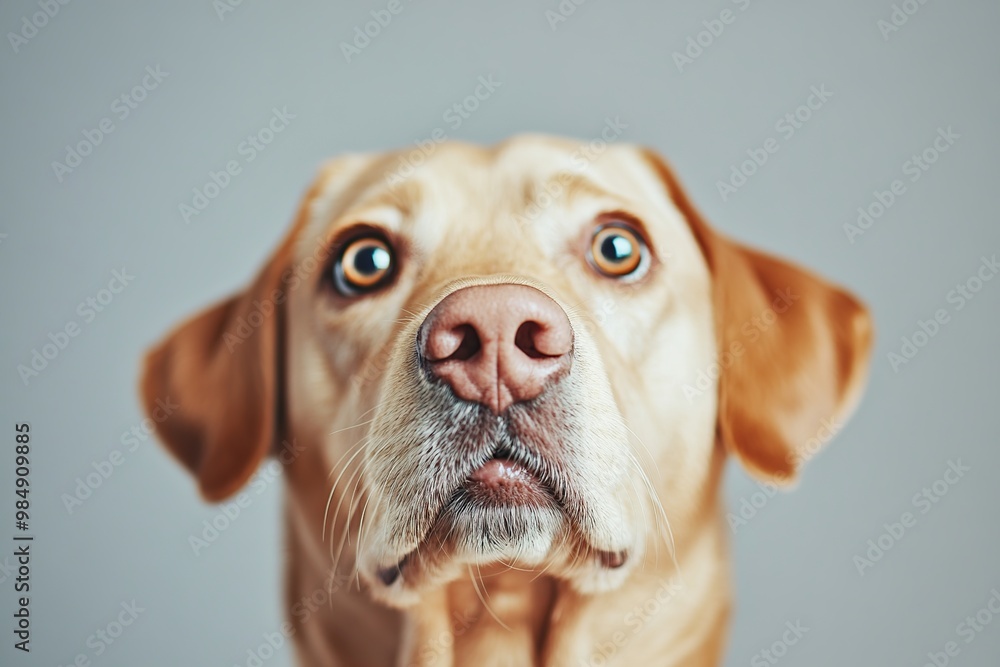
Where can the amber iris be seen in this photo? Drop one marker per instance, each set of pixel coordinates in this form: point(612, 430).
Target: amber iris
point(616, 251)
point(365, 265)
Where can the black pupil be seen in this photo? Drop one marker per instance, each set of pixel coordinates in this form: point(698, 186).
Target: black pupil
point(616, 248)
point(367, 260)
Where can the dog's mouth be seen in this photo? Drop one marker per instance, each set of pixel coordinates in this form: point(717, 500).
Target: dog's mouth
point(502, 481)
point(498, 499)
point(508, 478)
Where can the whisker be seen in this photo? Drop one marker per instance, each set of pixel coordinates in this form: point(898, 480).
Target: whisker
point(351, 509)
point(660, 512)
point(486, 604)
point(357, 569)
point(652, 459)
point(348, 428)
point(357, 448)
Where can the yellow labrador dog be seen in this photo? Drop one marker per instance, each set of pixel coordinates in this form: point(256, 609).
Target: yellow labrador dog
point(503, 386)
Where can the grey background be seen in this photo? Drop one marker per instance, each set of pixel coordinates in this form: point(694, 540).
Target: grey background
point(119, 208)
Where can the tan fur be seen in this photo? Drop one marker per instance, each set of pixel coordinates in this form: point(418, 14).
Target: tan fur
point(319, 379)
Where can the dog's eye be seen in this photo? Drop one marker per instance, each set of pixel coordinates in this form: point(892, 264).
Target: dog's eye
point(365, 265)
point(617, 251)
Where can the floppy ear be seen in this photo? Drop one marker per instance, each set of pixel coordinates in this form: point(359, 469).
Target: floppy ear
point(222, 367)
point(793, 349)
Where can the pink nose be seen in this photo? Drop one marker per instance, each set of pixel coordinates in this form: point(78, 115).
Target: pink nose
point(497, 344)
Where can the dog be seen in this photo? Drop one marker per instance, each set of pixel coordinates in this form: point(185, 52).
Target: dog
point(502, 387)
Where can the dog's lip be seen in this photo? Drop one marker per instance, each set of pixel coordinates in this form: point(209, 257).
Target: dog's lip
point(504, 481)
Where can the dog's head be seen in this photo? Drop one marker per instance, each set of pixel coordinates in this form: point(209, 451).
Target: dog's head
point(528, 355)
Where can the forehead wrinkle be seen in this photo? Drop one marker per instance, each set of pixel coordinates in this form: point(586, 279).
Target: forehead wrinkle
point(404, 197)
point(567, 189)
point(577, 185)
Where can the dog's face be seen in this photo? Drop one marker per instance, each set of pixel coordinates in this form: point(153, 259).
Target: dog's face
point(523, 356)
point(498, 389)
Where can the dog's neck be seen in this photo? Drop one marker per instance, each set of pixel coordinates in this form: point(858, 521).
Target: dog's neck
point(514, 617)
point(498, 619)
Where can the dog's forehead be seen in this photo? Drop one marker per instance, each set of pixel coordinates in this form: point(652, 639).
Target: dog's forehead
point(486, 198)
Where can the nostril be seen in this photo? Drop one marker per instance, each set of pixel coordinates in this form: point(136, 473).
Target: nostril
point(470, 344)
point(543, 340)
point(525, 340)
point(460, 343)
